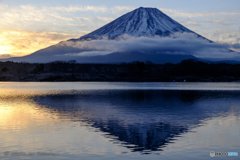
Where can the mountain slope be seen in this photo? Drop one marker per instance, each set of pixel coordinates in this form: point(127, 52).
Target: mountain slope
point(140, 22)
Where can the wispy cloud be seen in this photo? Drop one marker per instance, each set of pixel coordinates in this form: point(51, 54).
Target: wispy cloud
point(24, 17)
point(4, 56)
point(191, 15)
point(117, 9)
point(224, 21)
point(192, 23)
point(78, 8)
point(217, 26)
point(236, 47)
point(21, 43)
point(27, 28)
point(223, 35)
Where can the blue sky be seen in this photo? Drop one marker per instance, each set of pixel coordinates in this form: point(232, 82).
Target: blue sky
point(29, 25)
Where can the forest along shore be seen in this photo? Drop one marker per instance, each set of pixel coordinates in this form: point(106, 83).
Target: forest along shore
point(187, 70)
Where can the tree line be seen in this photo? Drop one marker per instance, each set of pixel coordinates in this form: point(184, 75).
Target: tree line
point(187, 70)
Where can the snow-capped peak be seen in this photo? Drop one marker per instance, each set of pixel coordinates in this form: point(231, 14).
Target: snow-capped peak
point(139, 22)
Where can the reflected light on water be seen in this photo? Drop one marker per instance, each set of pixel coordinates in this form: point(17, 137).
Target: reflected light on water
point(29, 127)
point(24, 114)
point(115, 123)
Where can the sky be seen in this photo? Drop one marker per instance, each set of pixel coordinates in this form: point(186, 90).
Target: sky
point(27, 26)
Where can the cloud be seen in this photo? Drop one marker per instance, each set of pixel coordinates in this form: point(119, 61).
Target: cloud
point(180, 43)
point(82, 9)
point(27, 28)
point(192, 24)
point(23, 13)
point(118, 9)
point(33, 18)
point(93, 19)
point(5, 56)
point(89, 53)
point(191, 15)
point(221, 35)
point(25, 42)
point(224, 21)
point(235, 47)
point(209, 24)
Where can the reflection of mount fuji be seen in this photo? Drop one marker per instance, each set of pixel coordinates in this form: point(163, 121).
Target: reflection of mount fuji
point(139, 120)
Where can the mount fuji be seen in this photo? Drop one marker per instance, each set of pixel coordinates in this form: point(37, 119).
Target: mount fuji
point(144, 34)
point(140, 22)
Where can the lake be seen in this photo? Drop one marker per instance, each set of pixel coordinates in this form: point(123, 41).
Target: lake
point(115, 120)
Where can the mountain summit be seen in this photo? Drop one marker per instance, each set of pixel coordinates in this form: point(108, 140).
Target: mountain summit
point(139, 22)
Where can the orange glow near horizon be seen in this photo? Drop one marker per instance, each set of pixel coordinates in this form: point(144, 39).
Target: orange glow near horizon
point(20, 43)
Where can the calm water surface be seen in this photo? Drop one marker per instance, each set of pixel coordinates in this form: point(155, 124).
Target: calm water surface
point(101, 120)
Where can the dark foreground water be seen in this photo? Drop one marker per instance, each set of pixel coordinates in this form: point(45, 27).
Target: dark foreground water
point(119, 120)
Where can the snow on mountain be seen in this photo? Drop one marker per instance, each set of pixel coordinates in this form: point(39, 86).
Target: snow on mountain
point(139, 22)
